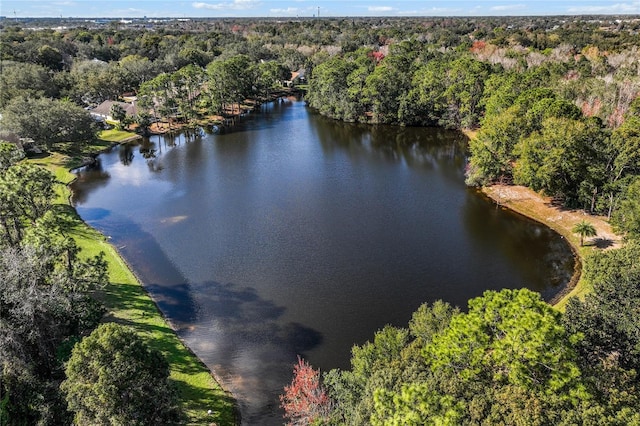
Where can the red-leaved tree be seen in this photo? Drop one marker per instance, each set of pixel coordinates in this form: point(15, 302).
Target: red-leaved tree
point(305, 400)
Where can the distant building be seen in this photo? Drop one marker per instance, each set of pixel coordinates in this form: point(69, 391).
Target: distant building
point(103, 111)
point(297, 77)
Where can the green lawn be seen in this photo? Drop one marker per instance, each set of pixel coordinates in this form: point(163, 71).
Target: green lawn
point(114, 135)
point(128, 303)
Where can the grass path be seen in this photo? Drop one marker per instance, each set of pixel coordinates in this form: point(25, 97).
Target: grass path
point(128, 303)
point(529, 203)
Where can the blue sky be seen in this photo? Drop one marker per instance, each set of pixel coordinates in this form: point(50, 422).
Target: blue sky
point(308, 8)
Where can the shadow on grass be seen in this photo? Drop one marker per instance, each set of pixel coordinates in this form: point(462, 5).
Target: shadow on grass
point(137, 310)
point(231, 327)
point(601, 243)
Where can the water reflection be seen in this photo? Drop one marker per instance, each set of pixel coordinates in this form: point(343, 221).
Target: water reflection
point(88, 179)
point(125, 152)
point(541, 256)
point(295, 234)
point(246, 331)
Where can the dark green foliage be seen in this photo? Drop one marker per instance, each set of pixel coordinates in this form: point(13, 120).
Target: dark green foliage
point(229, 83)
point(117, 112)
point(329, 90)
point(608, 315)
point(42, 303)
point(26, 191)
point(556, 159)
point(511, 359)
point(444, 91)
point(390, 361)
point(626, 218)
point(114, 378)
point(44, 294)
point(26, 80)
point(48, 122)
point(448, 91)
point(10, 154)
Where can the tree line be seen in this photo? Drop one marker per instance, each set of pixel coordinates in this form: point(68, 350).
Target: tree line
point(510, 358)
point(562, 122)
point(57, 364)
point(555, 102)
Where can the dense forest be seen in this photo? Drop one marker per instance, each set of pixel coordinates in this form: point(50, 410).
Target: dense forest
point(555, 103)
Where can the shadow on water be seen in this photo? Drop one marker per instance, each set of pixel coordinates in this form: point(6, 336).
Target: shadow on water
point(536, 250)
point(236, 333)
point(132, 297)
point(419, 148)
point(241, 336)
point(267, 116)
point(88, 179)
point(295, 234)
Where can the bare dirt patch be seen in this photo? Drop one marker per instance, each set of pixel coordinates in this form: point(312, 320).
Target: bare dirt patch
point(531, 204)
point(562, 220)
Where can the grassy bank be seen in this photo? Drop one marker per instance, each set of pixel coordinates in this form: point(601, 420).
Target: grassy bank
point(528, 203)
point(117, 136)
point(128, 303)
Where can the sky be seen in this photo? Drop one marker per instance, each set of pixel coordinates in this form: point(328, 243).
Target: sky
point(309, 8)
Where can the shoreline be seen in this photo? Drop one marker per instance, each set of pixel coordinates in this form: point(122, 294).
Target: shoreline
point(534, 206)
point(127, 301)
point(125, 264)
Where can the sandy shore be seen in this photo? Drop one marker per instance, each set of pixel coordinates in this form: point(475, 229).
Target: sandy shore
point(562, 220)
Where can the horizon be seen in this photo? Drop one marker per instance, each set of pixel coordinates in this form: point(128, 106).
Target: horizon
point(151, 9)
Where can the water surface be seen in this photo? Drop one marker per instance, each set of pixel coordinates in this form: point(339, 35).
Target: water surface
point(295, 234)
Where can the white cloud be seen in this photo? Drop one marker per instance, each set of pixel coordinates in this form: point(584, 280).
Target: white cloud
point(380, 9)
point(633, 7)
point(445, 9)
point(508, 7)
point(234, 5)
point(433, 11)
point(287, 11)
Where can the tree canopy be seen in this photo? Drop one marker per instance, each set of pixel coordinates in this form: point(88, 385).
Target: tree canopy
point(49, 122)
point(114, 378)
point(510, 359)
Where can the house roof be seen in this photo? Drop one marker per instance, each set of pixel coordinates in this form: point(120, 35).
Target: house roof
point(300, 74)
point(104, 109)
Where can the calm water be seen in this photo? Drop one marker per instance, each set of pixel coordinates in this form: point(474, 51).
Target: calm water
point(295, 234)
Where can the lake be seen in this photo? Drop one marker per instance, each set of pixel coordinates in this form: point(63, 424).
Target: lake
point(296, 234)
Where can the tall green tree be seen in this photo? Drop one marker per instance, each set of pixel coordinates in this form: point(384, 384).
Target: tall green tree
point(625, 143)
point(230, 82)
point(159, 96)
point(383, 91)
point(114, 378)
point(25, 80)
point(449, 91)
point(10, 154)
point(561, 158)
point(509, 337)
point(584, 229)
point(188, 83)
point(44, 303)
point(48, 122)
point(26, 191)
point(626, 216)
point(269, 76)
point(508, 360)
point(329, 89)
point(119, 114)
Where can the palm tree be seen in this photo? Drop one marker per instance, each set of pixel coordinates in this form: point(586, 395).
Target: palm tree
point(584, 229)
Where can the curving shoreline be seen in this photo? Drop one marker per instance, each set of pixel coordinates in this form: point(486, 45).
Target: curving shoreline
point(127, 301)
point(528, 203)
